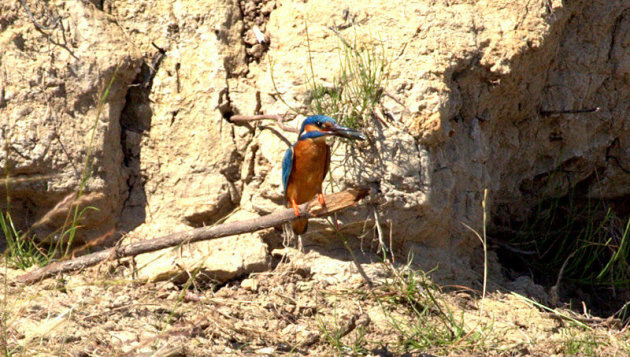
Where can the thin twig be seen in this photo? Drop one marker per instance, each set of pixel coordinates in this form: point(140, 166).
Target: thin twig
point(378, 114)
point(381, 243)
point(387, 94)
point(277, 133)
point(391, 244)
point(358, 320)
point(358, 265)
point(618, 163)
point(555, 290)
point(552, 311)
point(343, 40)
point(37, 24)
point(569, 111)
point(278, 118)
point(42, 29)
point(354, 258)
point(597, 321)
point(157, 59)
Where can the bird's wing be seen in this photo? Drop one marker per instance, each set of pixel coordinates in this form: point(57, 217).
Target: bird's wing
point(327, 164)
point(287, 165)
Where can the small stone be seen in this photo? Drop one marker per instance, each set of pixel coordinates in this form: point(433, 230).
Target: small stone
point(120, 301)
point(268, 7)
point(124, 337)
point(266, 351)
point(256, 51)
point(250, 284)
point(250, 38)
point(109, 325)
point(290, 289)
point(249, 8)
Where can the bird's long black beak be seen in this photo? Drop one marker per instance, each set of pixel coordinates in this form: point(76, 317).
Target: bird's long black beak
point(346, 132)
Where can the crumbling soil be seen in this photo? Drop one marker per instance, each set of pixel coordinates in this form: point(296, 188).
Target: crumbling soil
point(291, 310)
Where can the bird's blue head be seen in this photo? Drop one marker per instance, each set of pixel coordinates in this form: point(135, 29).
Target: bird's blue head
point(316, 126)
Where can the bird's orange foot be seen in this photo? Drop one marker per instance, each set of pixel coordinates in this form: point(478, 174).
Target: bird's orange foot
point(320, 198)
point(296, 209)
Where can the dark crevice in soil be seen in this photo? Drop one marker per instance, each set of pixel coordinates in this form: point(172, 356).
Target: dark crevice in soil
point(135, 121)
point(225, 104)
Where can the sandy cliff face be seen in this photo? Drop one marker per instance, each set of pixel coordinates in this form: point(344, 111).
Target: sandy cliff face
point(481, 84)
point(51, 82)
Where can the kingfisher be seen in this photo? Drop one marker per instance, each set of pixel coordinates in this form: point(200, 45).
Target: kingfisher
point(306, 163)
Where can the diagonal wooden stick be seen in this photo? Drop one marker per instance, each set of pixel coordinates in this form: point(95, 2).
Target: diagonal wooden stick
point(334, 202)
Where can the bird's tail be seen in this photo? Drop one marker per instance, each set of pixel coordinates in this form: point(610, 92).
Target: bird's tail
point(300, 226)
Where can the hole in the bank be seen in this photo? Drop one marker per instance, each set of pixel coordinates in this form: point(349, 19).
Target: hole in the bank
point(585, 242)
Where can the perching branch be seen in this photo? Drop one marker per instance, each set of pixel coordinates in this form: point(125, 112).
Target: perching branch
point(334, 202)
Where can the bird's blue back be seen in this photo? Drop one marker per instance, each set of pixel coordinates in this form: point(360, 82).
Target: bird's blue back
point(287, 165)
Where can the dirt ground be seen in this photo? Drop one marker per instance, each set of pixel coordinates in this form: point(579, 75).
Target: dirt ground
point(293, 310)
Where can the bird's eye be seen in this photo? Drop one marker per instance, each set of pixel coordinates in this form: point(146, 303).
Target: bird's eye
point(319, 123)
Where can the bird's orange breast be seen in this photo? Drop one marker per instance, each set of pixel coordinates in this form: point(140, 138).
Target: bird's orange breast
point(309, 169)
